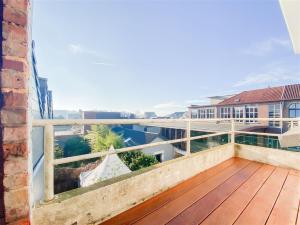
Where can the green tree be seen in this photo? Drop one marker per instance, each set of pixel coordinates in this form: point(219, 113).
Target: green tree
point(76, 146)
point(101, 138)
point(136, 160)
point(58, 151)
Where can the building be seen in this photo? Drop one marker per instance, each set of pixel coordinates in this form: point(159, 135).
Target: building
point(104, 115)
point(138, 137)
point(272, 102)
point(149, 115)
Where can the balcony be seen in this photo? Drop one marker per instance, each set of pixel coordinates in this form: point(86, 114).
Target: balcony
point(225, 183)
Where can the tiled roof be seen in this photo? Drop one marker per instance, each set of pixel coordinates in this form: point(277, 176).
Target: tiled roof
point(272, 94)
point(291, 92)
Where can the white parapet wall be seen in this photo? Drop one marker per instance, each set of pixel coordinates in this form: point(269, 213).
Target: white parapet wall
point(270, 156)
point(106, 199)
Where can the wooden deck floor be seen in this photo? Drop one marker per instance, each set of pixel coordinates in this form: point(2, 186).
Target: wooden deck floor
point(234, 192)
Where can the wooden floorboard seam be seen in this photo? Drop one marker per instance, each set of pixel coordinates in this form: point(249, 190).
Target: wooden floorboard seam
point(247, 163)
point(231, 193)
point(259, 165)
point(277, 197)
point(259, 187)
point(298, 215)
point(136, 220)
point(254, 196)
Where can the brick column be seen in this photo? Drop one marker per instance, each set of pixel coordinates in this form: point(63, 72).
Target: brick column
point(14, 153)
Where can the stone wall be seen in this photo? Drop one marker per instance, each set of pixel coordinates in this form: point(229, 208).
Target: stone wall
point(14, 151)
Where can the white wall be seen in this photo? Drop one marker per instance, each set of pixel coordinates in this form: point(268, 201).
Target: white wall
point(167, 151)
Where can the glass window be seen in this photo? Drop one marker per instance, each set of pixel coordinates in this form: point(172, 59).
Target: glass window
point(225, 112)
point(251, 113)
point(274, 112)
point(194, 113)
point(210, 113)
point(202, 113)
point(294, 110)
point(238, 112)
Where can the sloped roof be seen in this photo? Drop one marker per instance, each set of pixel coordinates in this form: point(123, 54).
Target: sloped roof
point(272, 94)
point(111, 166)
point(136, 137)
point(291, 92)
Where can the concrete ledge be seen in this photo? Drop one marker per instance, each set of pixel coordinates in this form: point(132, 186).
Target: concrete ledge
point(270, 156)
point(106, 199)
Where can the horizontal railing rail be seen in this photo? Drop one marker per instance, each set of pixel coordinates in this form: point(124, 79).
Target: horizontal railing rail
point(48, 125)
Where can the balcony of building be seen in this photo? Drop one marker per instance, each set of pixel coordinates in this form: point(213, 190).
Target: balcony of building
point(229, 180)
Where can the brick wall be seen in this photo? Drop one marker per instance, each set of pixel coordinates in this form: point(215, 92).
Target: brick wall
point(14, 151)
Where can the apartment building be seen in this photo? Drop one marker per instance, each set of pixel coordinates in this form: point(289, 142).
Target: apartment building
point(272, 102)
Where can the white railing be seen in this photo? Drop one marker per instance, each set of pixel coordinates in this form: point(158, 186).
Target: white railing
point(50, 162)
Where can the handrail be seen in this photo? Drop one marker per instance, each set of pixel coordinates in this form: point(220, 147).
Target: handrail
point(258, 133)
point(61, 122)
point(50, 162)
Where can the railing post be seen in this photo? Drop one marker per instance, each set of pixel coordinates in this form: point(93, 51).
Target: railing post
point(48, 163)
point(188, 136)
point(232, 131)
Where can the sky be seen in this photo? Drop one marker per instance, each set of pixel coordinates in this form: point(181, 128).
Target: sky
point(159, 55)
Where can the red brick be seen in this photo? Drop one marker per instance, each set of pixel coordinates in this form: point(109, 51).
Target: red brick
point(17, 204)
point(14, 134)
point(15, 165)
point(13, 64)
point(13, 32)
point(14, 15)
point(12, 79)
point(17, 197)
point(15, 181)
point(18, 4)
point(11, 48)
point(13, 116)
point(14, 100)
point(15, 149)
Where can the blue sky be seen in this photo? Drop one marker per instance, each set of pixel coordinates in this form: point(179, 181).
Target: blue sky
point(159, 55)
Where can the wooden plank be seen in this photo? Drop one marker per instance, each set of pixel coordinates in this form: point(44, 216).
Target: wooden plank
point(230, 209)
point(286, 208)
point(259, 209)
point(197, 212)
point(161, 199)
point(298, 217)
point(173, 208)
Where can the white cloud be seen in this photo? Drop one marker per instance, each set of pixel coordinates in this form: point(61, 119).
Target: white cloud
point(168, 105)
point(79, 49)
point(267, 46)
point(275, 75)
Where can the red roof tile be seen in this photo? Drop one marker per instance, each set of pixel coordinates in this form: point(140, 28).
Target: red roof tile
point(291, 92)
point(273, 94)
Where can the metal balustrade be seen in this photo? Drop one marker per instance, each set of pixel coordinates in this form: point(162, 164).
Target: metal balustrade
point(48, 125)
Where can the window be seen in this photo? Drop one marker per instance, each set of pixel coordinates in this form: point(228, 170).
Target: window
point(225, 112)
point(294, 110)
point(238, 112)
point(274, 112)
point(194, 113)
point(251, 113)
point(202, 113)
point(159, 157)
point(210, 113)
